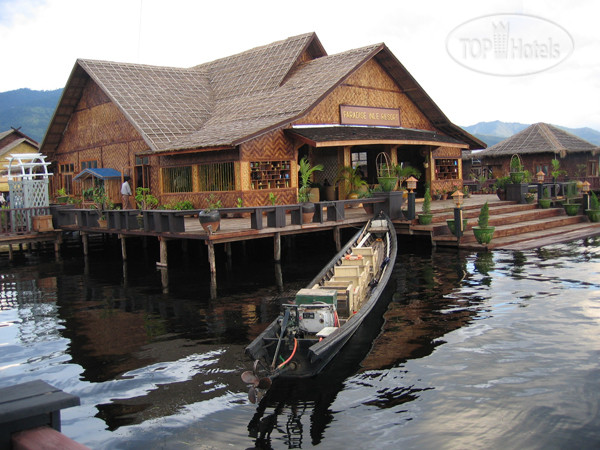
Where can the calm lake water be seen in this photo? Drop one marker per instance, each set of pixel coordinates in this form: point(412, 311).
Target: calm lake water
point(491, 350)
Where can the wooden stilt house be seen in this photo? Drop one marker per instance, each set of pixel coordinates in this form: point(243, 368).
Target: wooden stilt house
point(237, 127)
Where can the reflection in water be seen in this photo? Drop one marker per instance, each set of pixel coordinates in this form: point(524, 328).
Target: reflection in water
point(474, 349)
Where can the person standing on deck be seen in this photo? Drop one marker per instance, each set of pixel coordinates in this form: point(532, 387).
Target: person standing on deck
point(126, 193)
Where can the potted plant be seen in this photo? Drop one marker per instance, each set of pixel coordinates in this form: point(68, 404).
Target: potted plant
point(144, 201)
point(368, 207)
point(61, 196)
point(426, 216)
point(405, 171)
point(304, 197)
point(545, 201)
point(571, 208)
point(101, 204)
point(594, 212)
point(500, 187)
point(386, 173)
point(352, 181)
point(516, 169)
point(483, 232)
point(556, 170)
point(209, 217)
point(530, 197)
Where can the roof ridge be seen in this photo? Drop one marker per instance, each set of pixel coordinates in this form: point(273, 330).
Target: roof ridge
point(551, 138)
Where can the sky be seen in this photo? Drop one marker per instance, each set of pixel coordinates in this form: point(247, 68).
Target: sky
point(551, 73)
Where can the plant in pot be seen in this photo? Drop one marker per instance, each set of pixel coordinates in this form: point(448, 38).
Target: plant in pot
point(405, 171)
point(500, 186)
point(594, 212)
point(516, 169)
point(304, 197)
point(545, 201)
point(425, 216)
point(101, 204)
point(209, 217)
point(351, 181)
point(386, 173)
point(556, 171)
point(483, 232)
point(368, 207)
point(61, 196)
point(571, 208)
point(530, 197)
point(144, 201)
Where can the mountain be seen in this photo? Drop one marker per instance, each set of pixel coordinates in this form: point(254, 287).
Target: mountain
point(30, 110)
point(493, 132)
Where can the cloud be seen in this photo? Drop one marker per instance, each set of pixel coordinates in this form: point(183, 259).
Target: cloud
point(45, 37)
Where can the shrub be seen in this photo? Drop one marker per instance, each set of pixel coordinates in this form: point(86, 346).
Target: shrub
point(426, 208)
point(484, 216)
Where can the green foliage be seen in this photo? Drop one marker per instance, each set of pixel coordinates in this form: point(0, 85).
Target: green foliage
point(484, 216)
point(306, 172)
point(556, 170)
point(239, 202)
point(272, 198)
point(516, 165)
point(213, 202)
point(571, 192)
point(546, 193)
point(61, 192)
point(426, 208)
point(406, 171)
point(501, 182)
point(350, 177)
point(594, 204)
point(144, 199)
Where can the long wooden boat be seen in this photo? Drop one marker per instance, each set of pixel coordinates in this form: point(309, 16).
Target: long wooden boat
point(311, 331)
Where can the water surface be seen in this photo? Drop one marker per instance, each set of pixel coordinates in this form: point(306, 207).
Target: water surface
point(490, 350)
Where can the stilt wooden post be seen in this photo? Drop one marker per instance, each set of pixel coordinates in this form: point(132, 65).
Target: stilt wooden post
point(123, 247)
point(211, 257)
point(10, 252)
point(163, 252)
point(337, 239)
point(57, 243)
point(277, 247)
point(84, 240)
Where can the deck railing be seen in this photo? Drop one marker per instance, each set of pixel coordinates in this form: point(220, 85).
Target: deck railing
point(20, 220)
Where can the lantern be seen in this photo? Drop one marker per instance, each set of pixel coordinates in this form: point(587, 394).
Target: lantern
point(411, 183)
point(458, 198)
point(585, 187)
point(540, 176)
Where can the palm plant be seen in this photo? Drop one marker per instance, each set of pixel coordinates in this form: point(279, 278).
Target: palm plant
point(306, 171)
point(351, 178)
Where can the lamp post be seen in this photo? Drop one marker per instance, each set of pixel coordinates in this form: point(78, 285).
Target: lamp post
point(540, 187)
point(585, 188)
point(457, 196)
point(411, 185)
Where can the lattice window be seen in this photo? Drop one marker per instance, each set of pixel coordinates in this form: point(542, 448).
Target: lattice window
point(216, 177)
point(89, 165)
point(177, 179)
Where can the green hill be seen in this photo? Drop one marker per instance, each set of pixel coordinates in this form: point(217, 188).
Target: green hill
point(29, 110)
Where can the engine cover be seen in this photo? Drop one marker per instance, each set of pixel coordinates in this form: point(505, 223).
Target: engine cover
point(313, 318)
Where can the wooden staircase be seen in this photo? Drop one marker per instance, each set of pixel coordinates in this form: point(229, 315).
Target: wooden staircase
point(518, 226)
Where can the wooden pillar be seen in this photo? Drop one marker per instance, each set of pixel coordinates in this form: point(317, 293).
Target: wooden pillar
point(337, 239)
point(163, 252)
point(123, 247)
point(211, 257)
point(277, 247)
point(10, 252)
point(57, 243)
point(84, 240)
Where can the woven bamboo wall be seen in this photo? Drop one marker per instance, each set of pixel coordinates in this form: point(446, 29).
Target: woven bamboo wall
point(98, 131)
point(368, 86)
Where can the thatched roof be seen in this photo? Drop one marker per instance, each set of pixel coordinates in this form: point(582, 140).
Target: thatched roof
point(11, 139)
point(226, 102)
point(539, 138)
